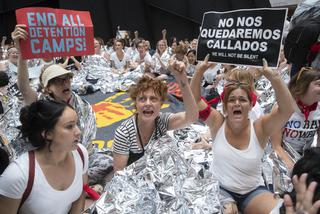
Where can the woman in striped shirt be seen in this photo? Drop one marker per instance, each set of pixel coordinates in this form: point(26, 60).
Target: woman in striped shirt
point(148, 123)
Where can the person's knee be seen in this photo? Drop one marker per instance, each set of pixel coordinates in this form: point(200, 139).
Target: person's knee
point(230, 208)
point(255, 205)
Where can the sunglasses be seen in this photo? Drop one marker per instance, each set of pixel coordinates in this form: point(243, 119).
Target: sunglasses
point(303, 70)
point(61, 80)
point(235, 83)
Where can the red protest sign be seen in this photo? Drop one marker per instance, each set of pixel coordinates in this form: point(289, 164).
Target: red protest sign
point(55, 32)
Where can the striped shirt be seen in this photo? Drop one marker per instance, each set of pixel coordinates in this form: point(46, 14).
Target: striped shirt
point(126, 137)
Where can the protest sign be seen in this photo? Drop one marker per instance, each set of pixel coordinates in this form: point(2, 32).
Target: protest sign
point(242, 37)
point(55, 32)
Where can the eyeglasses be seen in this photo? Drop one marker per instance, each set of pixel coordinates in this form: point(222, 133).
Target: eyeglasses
point(235, 83)
point(302, 70)
point(61, 80)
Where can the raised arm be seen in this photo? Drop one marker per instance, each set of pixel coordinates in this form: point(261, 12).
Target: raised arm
point(164, 36)
point(76, 62)
point(274, 121)
point(29, 95)
point(196, 90)
point(162, 64)
point(65, 63)
point(190, 115)
point(276, 140)
point(196, 82)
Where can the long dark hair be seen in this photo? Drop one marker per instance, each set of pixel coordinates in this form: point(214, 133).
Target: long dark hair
point(39, 118)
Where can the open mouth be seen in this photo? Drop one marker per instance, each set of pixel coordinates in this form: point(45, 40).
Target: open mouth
point(237, 112)
point(148, 112)
point(66, 90)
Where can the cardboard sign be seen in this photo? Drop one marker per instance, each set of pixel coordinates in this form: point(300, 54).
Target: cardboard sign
point(55, 32)
point(242, 37)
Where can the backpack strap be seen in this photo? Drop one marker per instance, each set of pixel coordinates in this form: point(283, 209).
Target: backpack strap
point(81, 155)
point(30, 178)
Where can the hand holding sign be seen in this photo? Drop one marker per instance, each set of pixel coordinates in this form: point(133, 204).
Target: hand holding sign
point(242, 37)
point(19, 33)
point(268, 72)
point(205, 65)
point(55, 32)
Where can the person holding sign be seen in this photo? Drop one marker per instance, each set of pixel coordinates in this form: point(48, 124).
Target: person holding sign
point(56, 85)
point(134, 134)
point(59, 164)
point(239, 142)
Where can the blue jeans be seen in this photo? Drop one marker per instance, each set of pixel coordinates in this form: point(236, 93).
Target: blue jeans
point(243, 200)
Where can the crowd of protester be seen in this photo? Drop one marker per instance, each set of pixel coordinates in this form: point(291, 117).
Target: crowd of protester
point(52, 134)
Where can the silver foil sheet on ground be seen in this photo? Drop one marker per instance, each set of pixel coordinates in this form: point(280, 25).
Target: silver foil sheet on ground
point(9, 120)
point(96, 69)
point(281, 174)
point(162, 181)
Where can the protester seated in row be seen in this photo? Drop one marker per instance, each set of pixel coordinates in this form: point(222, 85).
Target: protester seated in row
point(59, 163)
point(180, 53)
point(56, 85)
point(161, 59)
point(70, 62)
point(148, 123)
point(119, 59)
point(4, 82)
point(143, 59)
point(98, 48)
point(239, 142)
point(301, 128)
point(192, 59)
point(236, 75)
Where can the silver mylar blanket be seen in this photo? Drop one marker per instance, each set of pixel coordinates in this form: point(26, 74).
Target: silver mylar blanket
point(162, 181)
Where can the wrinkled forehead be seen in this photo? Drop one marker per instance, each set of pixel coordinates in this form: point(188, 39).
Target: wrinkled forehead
point(148, 93)
point(13, 50)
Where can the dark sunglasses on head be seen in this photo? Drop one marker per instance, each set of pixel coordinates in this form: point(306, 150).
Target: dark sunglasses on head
point(235, 83)
point(302, 70)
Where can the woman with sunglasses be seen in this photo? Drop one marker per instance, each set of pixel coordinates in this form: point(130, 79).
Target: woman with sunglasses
point(239, 142)
point(299, 132)
point(56, 85)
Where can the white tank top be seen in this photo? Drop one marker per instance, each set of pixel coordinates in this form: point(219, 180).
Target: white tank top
point(237, 170)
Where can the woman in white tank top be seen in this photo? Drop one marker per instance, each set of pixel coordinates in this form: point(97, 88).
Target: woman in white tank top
point(239, 142)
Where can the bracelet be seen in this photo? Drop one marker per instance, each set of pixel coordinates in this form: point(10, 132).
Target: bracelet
point(204, 114)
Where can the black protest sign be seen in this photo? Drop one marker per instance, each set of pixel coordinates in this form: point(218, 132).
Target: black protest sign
point(242, 37)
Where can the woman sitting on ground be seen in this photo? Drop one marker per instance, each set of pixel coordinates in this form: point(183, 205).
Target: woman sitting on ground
point(300, 130)
point(239, 142)
point(60, 163)
point(148, 95)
